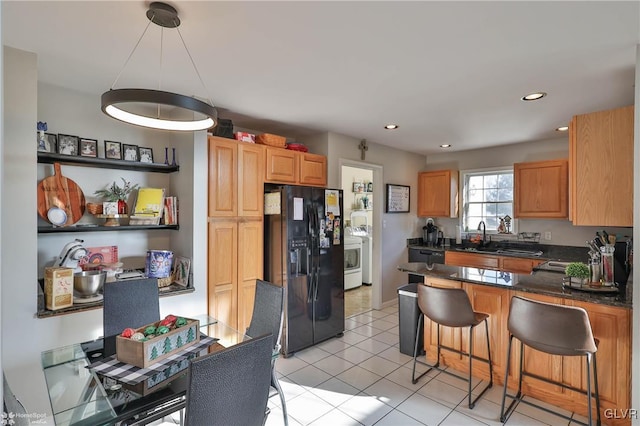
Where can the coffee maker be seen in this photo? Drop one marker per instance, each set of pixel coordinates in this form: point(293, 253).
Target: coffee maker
point(430, 234)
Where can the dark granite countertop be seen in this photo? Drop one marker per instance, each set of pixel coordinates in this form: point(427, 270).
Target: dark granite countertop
point(540, 282)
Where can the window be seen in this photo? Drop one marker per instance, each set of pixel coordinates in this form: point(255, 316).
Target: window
point(488, 196)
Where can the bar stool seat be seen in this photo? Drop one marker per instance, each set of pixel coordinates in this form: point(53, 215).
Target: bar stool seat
point(556, 330)
point(450, 307)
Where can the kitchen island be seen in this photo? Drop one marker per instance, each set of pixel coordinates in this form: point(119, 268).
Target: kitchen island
point(490, 291)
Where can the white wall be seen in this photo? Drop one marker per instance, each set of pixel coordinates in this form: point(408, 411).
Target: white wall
point(562, 230)
point(399, 167)
point(24, 252)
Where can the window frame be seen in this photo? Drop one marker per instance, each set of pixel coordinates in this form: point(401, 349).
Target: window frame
point(464, 174)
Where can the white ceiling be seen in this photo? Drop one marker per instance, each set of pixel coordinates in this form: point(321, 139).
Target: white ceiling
point(446, 72)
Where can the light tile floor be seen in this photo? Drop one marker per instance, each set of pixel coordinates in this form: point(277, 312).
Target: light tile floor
point(363, 379)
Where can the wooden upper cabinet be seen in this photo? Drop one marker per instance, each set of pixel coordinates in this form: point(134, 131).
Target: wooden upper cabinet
point(236, 177)
point(294, 167)
point(313, 169)
point(438, 193)
point(223, 177)
point(601, 168)
point(250, 180)
point(541, 189)
point(282, 165)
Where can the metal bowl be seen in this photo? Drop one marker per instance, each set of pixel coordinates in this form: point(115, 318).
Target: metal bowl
point(88, 283)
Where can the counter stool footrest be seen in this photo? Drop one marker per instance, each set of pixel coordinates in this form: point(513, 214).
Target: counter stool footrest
point(520, 399)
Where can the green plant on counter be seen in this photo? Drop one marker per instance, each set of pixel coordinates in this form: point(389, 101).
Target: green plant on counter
point(115, 192)
point(577, 270)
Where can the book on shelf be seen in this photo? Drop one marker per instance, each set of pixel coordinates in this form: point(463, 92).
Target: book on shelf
point(149, 203)
point(170, 211)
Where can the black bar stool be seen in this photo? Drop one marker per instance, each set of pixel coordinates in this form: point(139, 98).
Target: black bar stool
point(450, 307)
point(556, 330)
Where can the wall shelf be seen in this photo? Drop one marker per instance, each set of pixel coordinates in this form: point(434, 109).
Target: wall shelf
point(47, 229)
point(105, 163)
point(172, 290)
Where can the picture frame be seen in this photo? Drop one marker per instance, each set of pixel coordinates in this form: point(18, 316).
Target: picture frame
point(181, 271)
point(130, 152)
point(68, 144)
point(358, 187)
point(49, 143)
point(146, 154)
point(397, 198)
point(88, 147)
point(112, 150)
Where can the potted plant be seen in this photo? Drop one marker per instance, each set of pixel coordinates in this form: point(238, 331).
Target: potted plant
point(119, 194)
point(578, 273)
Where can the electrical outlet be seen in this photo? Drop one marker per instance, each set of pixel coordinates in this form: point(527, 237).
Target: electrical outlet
point(547, 235)
point(384, 223)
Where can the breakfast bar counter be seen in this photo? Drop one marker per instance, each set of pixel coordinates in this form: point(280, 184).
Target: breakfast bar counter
point(490, 291)
point(538, 282)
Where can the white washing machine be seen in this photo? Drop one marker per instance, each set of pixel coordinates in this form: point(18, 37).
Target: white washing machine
point(352, 262)
point(364, 233)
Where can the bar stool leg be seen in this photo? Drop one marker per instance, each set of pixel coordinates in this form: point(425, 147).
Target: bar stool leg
point(415, 379)
point(597, 394)
point(588, 357)
point(504, 415)
point(486, 327)
point(471, 404)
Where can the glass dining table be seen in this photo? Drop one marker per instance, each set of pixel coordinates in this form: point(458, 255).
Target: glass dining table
point(81, 393)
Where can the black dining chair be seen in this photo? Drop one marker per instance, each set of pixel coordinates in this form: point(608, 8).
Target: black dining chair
point(230, 387)
point(129, 303)
point(267, 317)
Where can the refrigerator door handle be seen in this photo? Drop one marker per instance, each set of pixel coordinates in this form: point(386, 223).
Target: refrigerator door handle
point(309, 275)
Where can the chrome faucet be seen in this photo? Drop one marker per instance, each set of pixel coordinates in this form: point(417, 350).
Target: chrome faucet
point(484, 232)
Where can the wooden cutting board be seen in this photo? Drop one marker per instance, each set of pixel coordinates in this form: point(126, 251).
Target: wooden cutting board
point(59, 191)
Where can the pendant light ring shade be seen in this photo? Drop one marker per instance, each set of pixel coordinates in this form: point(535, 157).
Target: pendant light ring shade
point(114, 101)
point(112, 98)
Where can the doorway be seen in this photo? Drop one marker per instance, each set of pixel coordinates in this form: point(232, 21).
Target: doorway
point(362, 199)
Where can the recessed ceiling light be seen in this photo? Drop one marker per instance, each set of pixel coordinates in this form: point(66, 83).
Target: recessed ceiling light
point(445, 145)
point(562, 129)
point(534, 96)
point(391, 126)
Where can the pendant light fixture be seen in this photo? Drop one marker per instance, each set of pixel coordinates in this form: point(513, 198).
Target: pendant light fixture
point(133, 105)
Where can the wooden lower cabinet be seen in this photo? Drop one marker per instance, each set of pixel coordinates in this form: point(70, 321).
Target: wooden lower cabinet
point(495, 302)
point(611, 326)
point(519, 265)
point(250, 268)
point(222, 267)
point(235, 263)
point(472, 260)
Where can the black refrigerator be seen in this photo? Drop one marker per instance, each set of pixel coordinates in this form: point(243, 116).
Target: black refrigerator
point(304, 252)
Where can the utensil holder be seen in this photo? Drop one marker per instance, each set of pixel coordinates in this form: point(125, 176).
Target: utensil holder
point(607, 260)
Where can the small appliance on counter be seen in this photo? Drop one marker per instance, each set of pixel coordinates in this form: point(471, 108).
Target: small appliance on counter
point(70, 255)
point(431, 235)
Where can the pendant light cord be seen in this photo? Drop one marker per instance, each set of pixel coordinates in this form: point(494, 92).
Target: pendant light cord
point(131, 54)
point(194, 67)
